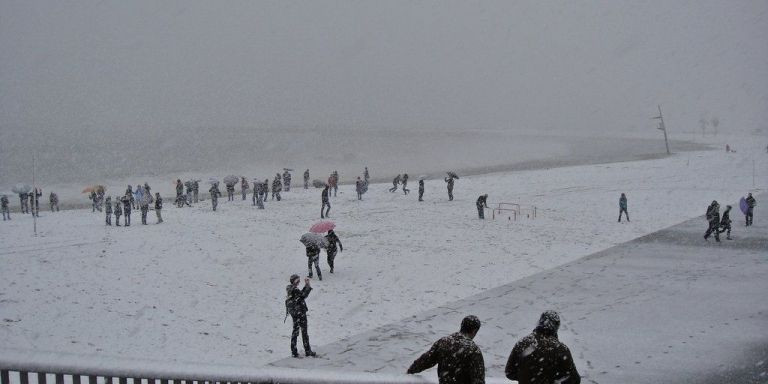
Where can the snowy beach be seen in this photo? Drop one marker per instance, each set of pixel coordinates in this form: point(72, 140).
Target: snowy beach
point(209, 287)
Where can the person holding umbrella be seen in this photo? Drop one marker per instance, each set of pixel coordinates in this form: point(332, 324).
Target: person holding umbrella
point(331, 250)
point(296, 306)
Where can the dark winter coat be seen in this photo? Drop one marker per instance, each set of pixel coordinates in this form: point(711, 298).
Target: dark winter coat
point(159, 203)
point(295, 303)
point(324, 195)
point(313, 251)
point(214, 191)
point(108, 206)
point(458, 360)
point(126, 204)
point(751, 202)
point(623, 202)
point(481, 201)
point(541, 358)
point(179, 189)
point(713, 213)
point(449, 180)
point(4, 202)
point(332, 241)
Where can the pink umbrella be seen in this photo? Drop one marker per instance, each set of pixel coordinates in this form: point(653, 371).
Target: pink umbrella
point(322, 226)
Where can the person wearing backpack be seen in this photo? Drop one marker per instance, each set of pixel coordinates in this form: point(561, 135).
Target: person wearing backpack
point(297, 308)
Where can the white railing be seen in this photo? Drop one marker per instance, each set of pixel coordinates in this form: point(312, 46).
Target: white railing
point(25, 367)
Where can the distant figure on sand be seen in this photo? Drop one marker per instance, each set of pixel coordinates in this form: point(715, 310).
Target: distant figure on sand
point(325, 201)
point(623, 207)
point(118, 211)
point(331, 250)
point(540, 357)
point(4, 206)
point(215, 193)
point(751, 203)
point(395, 182)
point(158, 207)
point(421, 189)
point(449, 180)
point(458, 358)
point(481, 205)
point(713, 217)
point(108, 210)
point(287, 180)
point(725, 222)
point(359, 188)
point(53, 200)
point(244, 187)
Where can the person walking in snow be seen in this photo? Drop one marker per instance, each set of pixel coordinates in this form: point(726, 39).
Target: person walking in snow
point(265, 189)
point(127, 209)
point(481, 205)
point(287, 180)
point(366, 175)
point(230, 192)
point(244, 187)
point(449, 180)
point(326, 202)
point(751, 203)
point(313, 258)
point(404, 181)
point(158, 207)
point(188, 186)
point(4, 206)
point(725, 222)
point(53, 201)
point(335, 182)
point(129, 193)
point(540, 357)
point(623, 206)
point(23, 199)
point(395, 182)
point(458, 358)
point(195, 190)
point(144, 205)
point(296, 306)
point(331, 250)
point(713, 217)
point(215, 193)
point(92, 197)
point(421, 189)
point(277, 187)
point(359, 188)
point(108, 210)
point(118, 211)
point(306, 179)
point(179, 193)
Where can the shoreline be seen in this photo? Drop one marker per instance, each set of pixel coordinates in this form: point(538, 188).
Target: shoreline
point(524, 165)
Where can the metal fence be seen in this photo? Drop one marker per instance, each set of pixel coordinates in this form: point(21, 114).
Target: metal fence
point(26, 367)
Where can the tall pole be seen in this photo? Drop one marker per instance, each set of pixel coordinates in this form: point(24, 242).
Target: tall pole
point(34, 194)
point(662, 128)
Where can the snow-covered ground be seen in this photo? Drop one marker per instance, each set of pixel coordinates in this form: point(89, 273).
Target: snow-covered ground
point(209, 287)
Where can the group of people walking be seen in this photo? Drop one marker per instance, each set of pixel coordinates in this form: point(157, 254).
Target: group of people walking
point(29, 202)
point(141, 198)
point(722, 223)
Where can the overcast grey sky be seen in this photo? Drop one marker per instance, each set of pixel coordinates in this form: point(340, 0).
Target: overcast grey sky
point(571, 65)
